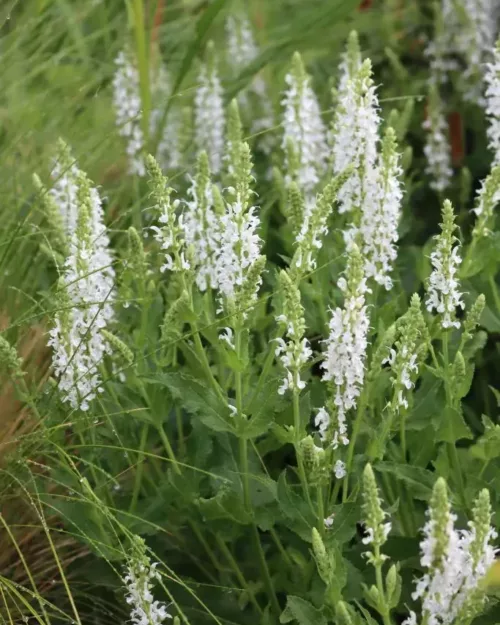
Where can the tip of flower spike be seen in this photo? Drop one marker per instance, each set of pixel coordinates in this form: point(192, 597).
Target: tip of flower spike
point(203, 164)
point(210, 56)
point(366, 69)
point(415, 300)
point(37, 183)
point(368, 474)
point(157, 178)
point(298, 68)
point(234, 129)
point(439, 498)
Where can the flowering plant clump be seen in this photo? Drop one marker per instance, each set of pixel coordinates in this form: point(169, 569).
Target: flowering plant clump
point(248, 362)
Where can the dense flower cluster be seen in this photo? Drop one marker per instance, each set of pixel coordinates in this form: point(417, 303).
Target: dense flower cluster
point(465, 30)
point(455, 561)
point(443, 289)
point(201, 227)
point(86, 296)
point(437, 148)
point(295, 351)
point(376, 528)
point(127, 103)
point(240, 243)
point(242, 50)
point(139, 578)
point(209, 122)
point(405, 356)
point(381, 214)
point(169, 153)
point(344, 357)
point(304, 138)
point(170, 233)
point(355, 132)
point(492, 80)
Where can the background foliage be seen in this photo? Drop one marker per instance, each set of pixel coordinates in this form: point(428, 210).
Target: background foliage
point(158, 455)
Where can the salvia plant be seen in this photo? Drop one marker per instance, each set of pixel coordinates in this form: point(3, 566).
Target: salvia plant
point(249, 313)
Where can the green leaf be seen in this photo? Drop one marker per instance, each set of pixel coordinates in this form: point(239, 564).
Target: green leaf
point(450, 426)
point(200, 400)
point(295, 508)
point(345, 517)
point(302, 611)
point(419, 481)
point(263, 417)
point(428, 399)
point(488, 446)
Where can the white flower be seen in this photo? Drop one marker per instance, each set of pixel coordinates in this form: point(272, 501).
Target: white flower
point(437, 149)
point(355, 133)
point(339, 469)
point(170, 233)
point(241, 47)
point(443, 289)
point(455, 562)
point(329, 521)
point(474, 38)
point(293, 355)
point(201, 227)
point(492, 80)
point(411, 620)
point(344, 357)
point(127, 103)
point(209, 116)
point(322, 422)
point(385, 529)
point(228, 336)
point(380, 215)
point(239, 246)
point(465, 34)
point(242, 50)
point(304, 130)
point(139, 578)
point(169, 154)
point(404, 363)
point(86, 295)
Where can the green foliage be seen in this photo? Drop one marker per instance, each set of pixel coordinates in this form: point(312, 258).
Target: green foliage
point(193, 453)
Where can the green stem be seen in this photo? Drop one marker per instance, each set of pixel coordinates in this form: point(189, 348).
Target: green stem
point(452, 450)
point(402, 434)
point(180, 431)
point(266, 369)
point(380, 586)
point(352, 444)
point(243, 443)
point(205, 364)
point(281, 548)
point(268, 583)
point(211, 556)
point(239, 575)
point(321, 510)
point(494, 290)
point(168, 449)
point(297, 434)
point(140, 467)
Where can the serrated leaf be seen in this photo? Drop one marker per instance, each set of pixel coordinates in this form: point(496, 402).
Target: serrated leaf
point(295, 508)
point(419, 481)
point(488, 445)
point(345, 517)
point(263, 415)
point(450, 426)
point(427, 400)
point(302, 611)
point(200, 400)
